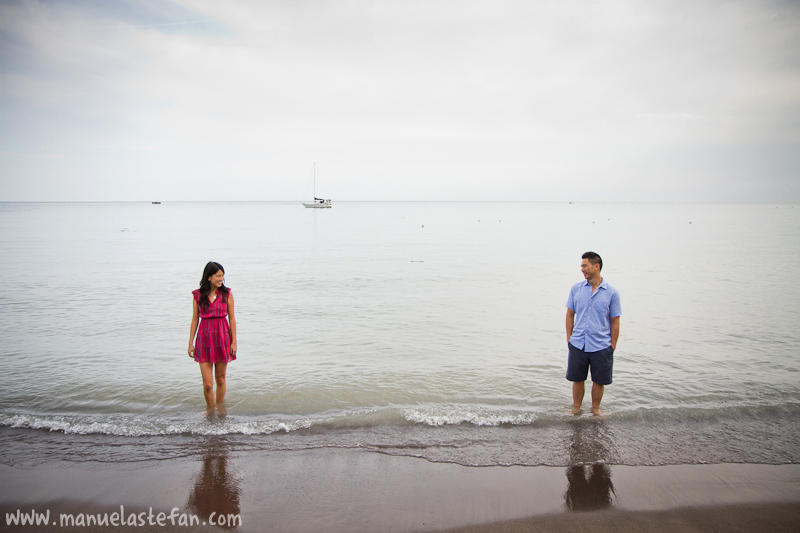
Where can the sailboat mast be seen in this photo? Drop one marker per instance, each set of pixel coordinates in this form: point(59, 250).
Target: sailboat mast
point(315, 181)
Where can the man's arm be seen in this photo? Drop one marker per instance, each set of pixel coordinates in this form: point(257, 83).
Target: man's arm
point(614, 331)
point(570, 322)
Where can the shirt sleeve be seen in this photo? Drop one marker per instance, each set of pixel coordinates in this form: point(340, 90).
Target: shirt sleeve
point(571, 299)
point(615, 308)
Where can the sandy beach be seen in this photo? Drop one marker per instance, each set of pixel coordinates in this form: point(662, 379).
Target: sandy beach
point(342, 490)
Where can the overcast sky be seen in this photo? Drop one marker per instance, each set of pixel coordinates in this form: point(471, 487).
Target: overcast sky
point(565, 100)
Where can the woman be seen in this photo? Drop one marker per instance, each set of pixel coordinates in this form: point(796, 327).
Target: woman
point(216, 340)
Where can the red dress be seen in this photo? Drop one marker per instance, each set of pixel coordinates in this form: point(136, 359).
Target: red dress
point(214, 334)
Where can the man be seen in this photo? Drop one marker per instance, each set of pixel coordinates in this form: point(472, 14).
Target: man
point(593, 310)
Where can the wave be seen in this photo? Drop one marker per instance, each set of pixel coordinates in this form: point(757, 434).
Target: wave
point(444, 416)
point(467, 435)
point(136, 425)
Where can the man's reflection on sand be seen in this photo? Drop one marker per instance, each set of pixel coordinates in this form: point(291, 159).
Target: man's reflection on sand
point(216, 489)
point(589, 485)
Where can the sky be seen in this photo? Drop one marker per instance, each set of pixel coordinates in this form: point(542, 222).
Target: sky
point(395, 100)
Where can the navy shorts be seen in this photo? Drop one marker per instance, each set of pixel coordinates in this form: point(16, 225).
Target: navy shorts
point(579, 362)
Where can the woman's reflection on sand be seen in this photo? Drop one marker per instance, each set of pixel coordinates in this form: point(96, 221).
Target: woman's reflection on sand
point(216, 489)
point(589, 485)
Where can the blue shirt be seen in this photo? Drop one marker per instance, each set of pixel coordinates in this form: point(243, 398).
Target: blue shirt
point(593, 313)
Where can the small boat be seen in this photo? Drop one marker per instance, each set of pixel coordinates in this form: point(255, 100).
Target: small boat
point(318, 202)
point(155, 202)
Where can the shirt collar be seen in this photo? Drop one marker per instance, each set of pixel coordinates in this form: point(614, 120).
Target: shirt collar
point(603, 284)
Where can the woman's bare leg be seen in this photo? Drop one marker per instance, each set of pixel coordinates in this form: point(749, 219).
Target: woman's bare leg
point(207, 371)
point(219, 376)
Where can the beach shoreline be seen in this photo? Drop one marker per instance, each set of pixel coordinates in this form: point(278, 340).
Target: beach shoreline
point(333, 489)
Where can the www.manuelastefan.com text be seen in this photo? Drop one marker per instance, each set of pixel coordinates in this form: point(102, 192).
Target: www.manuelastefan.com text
point(145, 518)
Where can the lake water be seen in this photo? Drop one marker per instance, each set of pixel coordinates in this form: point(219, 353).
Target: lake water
point(425, 329)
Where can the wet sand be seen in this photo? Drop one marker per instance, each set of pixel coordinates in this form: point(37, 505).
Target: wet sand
point(340, 490)
point(757, 518)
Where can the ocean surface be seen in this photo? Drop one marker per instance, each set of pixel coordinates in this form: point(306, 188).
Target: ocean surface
point(428, 329)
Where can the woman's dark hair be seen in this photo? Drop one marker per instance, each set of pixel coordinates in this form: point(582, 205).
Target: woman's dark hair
point(205, 285)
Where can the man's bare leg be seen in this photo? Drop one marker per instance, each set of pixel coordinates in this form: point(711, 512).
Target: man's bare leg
point(578, 389)
point(597, 395)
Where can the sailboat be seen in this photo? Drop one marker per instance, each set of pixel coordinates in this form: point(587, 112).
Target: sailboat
point(318, 202)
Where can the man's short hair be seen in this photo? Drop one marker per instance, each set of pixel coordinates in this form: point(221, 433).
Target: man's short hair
point(593, 258)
